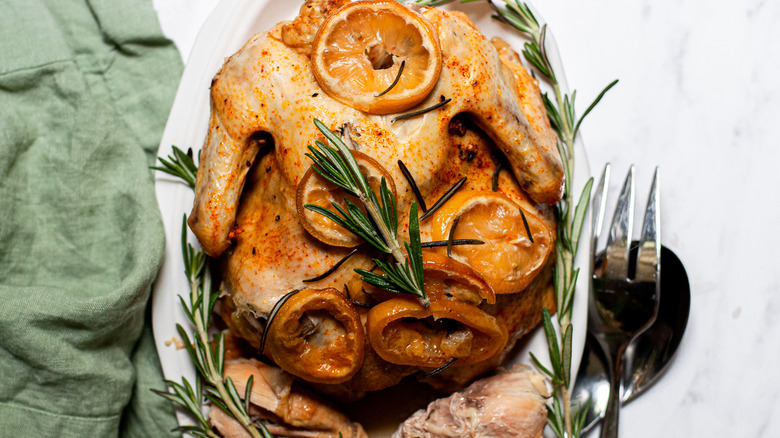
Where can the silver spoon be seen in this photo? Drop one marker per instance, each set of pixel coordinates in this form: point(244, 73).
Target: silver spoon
point(650, 353)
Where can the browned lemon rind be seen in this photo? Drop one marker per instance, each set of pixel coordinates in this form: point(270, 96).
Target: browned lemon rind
point(317, 335)
point(358, 51)
point(314, 189)
point(512, 254)
point(403, 332)
point(449, 279)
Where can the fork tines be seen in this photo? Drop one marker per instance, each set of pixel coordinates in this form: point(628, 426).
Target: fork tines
point(616, 259)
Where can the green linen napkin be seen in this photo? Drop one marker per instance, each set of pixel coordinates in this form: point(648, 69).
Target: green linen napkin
point(85, 90)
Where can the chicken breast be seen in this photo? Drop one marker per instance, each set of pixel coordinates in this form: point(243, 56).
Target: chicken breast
point(507, 405)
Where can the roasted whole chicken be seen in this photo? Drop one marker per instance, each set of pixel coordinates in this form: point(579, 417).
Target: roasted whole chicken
point(444, 102)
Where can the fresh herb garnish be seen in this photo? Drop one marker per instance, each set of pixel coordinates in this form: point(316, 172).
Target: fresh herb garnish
point(413, 185)
point(444, 198)
point(397, 78)
point(561, 113)
point(208, 356)
point(378, 225)
point(421, 112)
point(180, 165)
point(332, 268)
point(455, 242)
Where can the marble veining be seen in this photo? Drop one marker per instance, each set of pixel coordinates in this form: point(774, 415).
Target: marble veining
point(699, 96)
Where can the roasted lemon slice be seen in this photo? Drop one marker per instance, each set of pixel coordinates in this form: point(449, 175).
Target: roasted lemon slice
point(403, 332)
point(513, 253)
point(376, 56)
point(314, 189)
point(447, 278)
point(317, 336)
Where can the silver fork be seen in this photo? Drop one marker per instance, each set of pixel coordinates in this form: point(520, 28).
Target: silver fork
point(624, 299)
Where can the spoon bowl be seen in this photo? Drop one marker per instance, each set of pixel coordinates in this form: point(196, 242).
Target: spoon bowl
point(648, 356)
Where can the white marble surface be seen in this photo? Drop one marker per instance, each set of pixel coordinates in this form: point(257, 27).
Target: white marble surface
point(699, 95)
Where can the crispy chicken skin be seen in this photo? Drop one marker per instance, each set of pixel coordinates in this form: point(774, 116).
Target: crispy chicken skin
point(269, 87)
point(507, 405)
point(263, 102)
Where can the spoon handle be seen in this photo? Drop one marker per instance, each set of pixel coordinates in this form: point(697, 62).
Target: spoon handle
point(610, 427)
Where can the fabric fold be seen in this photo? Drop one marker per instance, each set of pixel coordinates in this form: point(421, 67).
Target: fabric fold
point(85, 91)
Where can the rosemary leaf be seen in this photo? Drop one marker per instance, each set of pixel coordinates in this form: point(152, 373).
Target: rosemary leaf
point(593, 105)
point(414, 249)
point(413, 185)
point(525, 224)
point(451, 235)
point(579, 216)
point(580, 418)
point(379, 281)
point(566, 356)
point(219, 353)
point(541, 367)
point(216, 400)
point(266, 433)
point(444, 198)
point(233, 394)
point(248, 392)
point(421, 112)
point(397, 78)
point(272, 316)
point(332, 269)
point(441, 368)
point(552, 341)
point(179, 165)
point(494, 185)
point(456, 242)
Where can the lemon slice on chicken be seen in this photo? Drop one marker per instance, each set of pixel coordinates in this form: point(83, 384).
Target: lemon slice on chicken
point(376, 56)
point(517, 241)
point(316, 190)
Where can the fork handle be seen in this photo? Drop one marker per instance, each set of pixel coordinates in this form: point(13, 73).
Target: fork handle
point(610, 427)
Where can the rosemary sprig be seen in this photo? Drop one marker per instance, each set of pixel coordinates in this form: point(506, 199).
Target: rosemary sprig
point(571, 215)
point(181, 165)
point(207, 356)
point(563, 422)
point(378, 225)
